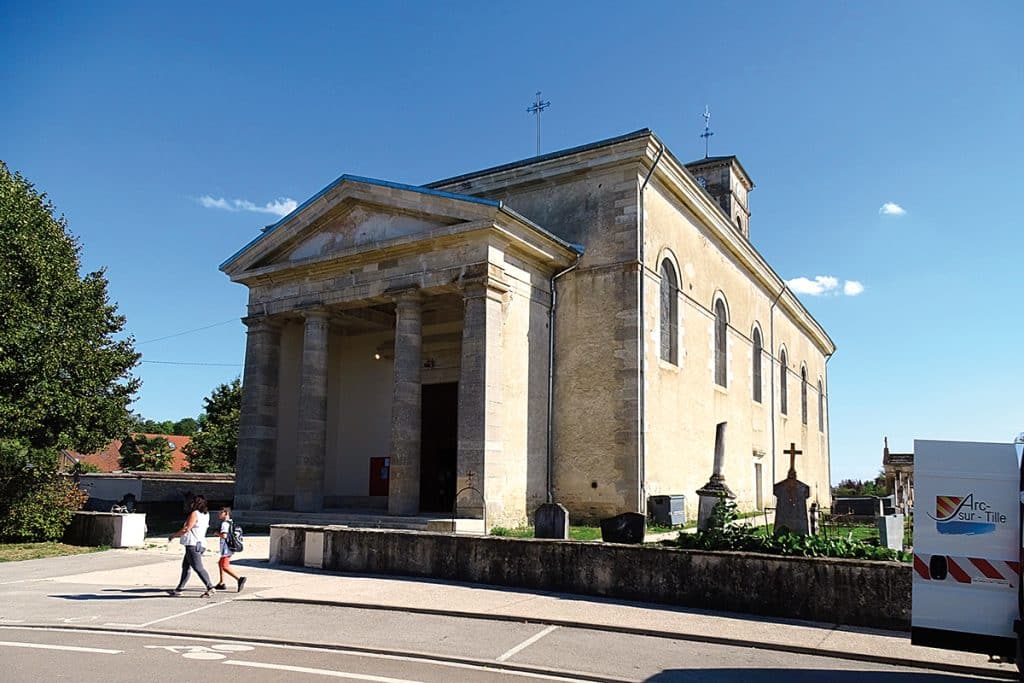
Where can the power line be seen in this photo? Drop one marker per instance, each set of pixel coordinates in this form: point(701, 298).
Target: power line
point(178, 334)
point(181, 362)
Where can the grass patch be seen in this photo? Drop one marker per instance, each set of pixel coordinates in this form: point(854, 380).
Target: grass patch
point(15, 552)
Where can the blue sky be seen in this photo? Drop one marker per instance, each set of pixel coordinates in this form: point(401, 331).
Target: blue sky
point(169, 134)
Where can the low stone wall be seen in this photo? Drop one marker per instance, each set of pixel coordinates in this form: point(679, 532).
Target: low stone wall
point(852, 592)
point(116, 530)
point(171, 489)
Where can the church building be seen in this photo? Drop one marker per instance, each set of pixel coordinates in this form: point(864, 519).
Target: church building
point(569, 328)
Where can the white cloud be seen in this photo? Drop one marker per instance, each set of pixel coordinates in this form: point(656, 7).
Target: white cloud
point(280, 207)
point(824, 285)
point(821, 284)
point(892, 209)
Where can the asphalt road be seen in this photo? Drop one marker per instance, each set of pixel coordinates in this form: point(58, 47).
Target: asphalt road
point(56, 625)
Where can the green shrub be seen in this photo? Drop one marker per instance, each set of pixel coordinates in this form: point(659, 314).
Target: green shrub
point(723, 534)
point(36, 501)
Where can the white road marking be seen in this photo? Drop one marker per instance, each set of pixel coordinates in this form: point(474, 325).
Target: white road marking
point(338, 650)
point(68, 648)
point(526, 643)
point(175, 616)
point(9, 583)
point(321, 672)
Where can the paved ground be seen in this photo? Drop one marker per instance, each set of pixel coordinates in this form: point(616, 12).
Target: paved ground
point(122, 591)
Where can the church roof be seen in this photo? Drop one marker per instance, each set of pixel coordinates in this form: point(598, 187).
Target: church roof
point(643, 132)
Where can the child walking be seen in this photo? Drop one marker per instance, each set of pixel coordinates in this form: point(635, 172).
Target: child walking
point(225, 552)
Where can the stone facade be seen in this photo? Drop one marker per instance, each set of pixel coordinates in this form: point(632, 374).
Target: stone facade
point(414, 323)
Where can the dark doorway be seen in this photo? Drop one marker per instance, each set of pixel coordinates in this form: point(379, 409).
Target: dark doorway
point(439, 445)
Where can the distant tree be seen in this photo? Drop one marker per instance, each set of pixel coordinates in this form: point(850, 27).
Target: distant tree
point(141, 453)
point(856, 487)
point(214, 447)
point(65, 380)
point(186, 426)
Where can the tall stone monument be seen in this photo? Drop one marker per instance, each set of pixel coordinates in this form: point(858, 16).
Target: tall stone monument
point(716, 488)
point(791, 496)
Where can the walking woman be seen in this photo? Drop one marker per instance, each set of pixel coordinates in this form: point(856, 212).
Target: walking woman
point(193, 535)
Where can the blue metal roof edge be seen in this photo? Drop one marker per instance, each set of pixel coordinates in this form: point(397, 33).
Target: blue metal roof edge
point(358, 179)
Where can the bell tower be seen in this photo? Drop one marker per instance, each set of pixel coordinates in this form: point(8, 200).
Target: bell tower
point(729, 185)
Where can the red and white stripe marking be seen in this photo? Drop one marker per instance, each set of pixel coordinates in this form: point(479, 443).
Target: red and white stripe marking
point(970, 570)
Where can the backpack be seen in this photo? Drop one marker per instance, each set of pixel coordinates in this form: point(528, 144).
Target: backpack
point(234, 539)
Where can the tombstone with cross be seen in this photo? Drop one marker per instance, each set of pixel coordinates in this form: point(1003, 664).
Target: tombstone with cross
point(791, 496)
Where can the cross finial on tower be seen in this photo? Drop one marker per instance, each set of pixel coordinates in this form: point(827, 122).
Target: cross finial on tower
point(536, 108)
point(707, 131)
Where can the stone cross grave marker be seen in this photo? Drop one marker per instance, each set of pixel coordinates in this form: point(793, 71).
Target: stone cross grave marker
point(791, 496)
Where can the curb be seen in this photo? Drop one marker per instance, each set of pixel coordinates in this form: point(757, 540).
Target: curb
point(668, 635)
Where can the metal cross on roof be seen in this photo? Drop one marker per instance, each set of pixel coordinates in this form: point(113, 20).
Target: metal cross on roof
point(536, 108)
point(707, 131)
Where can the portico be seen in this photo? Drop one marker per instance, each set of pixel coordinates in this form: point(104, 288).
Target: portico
point(362, 298)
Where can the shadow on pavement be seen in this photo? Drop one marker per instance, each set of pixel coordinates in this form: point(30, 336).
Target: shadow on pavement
point(128, 594)
point(804, 676)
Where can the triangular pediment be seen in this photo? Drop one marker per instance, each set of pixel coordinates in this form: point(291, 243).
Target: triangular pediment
point(353, 214)
point(351, 226)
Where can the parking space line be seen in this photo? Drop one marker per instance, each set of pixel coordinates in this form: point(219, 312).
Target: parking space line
point(526, 643)
point(67, 648)
point(175, 616)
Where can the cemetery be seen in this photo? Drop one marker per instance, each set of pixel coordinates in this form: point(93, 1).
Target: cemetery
point(723, 566)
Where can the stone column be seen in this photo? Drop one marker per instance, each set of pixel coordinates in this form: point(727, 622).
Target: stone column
point(312, 432)
point(480, 393)
point(404, 476)
point(257, 423)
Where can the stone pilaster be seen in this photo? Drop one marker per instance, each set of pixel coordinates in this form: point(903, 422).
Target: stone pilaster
point(257, 427)
point(480, 393)
point(312, 432)
point(404, 483)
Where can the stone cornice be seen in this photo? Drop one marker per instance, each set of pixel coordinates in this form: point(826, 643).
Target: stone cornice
point(517, 238)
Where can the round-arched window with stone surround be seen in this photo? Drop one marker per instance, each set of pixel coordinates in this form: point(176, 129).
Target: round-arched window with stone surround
point(721, 341)
point(803, 394)
point(783, 374)
point(755, 363)
point(669, 314)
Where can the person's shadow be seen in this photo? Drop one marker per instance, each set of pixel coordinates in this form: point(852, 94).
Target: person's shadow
point(120, 594)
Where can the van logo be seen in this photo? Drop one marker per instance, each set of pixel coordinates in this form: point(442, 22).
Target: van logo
point(965, 515)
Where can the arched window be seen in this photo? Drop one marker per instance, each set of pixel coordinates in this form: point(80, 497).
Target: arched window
point(756, 369)
point(783, 403)
point(669, 313)
point(803, 395)
point(821, 408)
point(721, 327)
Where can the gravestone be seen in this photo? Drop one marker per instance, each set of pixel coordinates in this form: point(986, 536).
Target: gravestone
point(716, 489)
point(791, 496)
point(551, 521)
point(629, 527)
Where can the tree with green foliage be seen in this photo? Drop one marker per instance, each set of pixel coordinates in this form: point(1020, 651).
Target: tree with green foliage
point(186, 426)
point(215, 446)
point(65, 379)
point(36, 500)
point(143, 454)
